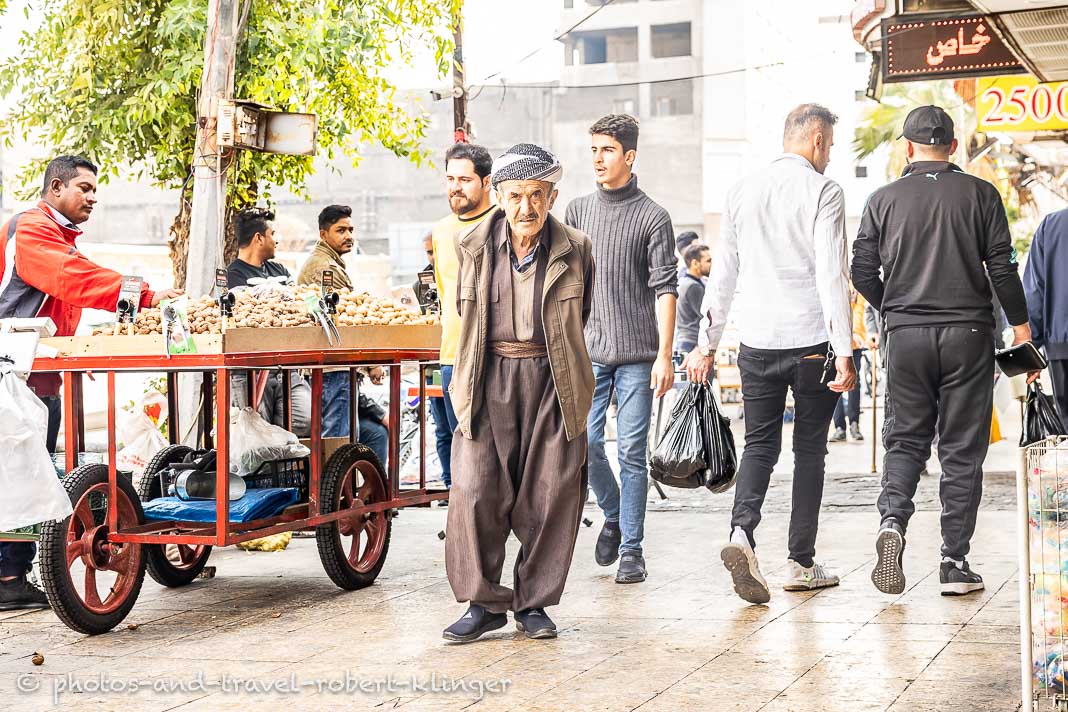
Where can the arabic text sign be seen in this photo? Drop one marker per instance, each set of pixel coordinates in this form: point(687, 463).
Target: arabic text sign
point(1021, 104)
point(944, 48)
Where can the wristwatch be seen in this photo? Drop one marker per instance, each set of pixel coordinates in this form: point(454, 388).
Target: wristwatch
point(706, 351)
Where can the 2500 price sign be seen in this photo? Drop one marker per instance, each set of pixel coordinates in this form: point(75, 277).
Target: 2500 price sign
point(1022, 104)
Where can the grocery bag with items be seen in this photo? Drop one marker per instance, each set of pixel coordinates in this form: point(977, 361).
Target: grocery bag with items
point(1041, 419)
point(254, 441)
point(139, 433)
point(32, 492)
point(697, 447)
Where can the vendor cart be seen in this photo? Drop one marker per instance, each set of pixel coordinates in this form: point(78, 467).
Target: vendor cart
point(94, 563)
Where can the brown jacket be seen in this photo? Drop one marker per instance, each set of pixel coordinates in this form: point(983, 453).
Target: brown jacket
point(566, 306)
point(323, 258)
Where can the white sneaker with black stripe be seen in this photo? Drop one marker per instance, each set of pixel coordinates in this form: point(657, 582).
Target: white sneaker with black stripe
point(888, 575)
point(800, 578)
point(958, 579)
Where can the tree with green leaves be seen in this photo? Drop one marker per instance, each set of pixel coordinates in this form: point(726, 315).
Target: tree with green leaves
point(117, 81)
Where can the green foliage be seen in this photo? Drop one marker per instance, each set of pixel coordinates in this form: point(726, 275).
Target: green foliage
point(117, 80)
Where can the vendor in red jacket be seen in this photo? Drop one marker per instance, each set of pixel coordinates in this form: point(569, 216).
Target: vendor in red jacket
point(42, 273)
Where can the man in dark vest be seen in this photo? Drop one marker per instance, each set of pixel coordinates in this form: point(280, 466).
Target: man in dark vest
point(522, 386)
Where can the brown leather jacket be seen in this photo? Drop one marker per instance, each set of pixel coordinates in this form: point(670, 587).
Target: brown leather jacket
point(565, 308)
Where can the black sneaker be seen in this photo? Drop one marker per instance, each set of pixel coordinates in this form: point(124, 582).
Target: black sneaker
point(631, 568)
point(21, 593)
point(474, 624)
point(535, 623)
point(959, 580)
point(888, 575)
point(607, 550)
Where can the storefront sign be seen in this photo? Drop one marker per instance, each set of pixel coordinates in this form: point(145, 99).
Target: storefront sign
point(943, 48)
point(1021, 104)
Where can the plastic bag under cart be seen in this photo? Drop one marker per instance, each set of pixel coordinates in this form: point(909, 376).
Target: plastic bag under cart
point(32, 492)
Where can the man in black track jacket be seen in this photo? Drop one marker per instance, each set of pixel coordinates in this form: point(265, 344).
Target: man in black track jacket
point(936, 233)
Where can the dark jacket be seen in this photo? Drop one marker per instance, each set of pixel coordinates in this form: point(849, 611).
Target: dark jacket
point(566, 302)
point(688, 310)
point(1046, 285)
point(932, 232)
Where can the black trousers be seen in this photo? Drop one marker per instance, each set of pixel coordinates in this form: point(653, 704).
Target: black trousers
point(938, 377)
point(1058, 371)
point(767, 375)
point(16, 558)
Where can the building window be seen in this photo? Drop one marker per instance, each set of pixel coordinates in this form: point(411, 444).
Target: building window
point(861, 57)
point(568, 4)
point(602, 46)
point(672, 98)
point(861, 171)
point(574, 104)
point(860, 94)
point(671, 40)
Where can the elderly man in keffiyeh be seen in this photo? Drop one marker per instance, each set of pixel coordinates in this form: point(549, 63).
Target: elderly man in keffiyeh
point(521, 387)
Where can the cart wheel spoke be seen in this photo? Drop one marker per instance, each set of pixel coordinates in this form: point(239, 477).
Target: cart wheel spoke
point(92, 596)
point(187, 554)
point(345, 495)
point(75, 550)
point(84, 514)
point(366, 491)
point(356, 549)
point(121, 563)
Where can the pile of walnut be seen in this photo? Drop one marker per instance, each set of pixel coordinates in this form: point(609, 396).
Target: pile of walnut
point(280, 310)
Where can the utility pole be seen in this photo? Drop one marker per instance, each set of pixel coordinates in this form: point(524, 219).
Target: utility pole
point(461, 129)
point(207, 221)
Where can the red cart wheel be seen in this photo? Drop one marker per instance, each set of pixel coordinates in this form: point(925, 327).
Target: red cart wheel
point(170, 565)
point(353, 550)
point(91, 583)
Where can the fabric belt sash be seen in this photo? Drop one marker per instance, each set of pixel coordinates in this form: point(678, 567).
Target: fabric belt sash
point(518, 349)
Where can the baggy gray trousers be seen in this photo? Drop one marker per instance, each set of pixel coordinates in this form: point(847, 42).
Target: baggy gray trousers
point(519, 474)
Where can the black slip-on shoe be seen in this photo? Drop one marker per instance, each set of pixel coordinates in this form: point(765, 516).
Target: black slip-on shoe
point(888, 575)
point(607, 550)
point(631, 568)
point(535, 624)
point(473, 624)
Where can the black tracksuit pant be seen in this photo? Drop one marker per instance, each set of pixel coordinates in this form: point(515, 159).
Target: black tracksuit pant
point(938, 375)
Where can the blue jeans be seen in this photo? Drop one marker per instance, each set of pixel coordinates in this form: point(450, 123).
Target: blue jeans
point(375, 436)
point(634, 409)
point(446, 379)
point(852, 398)
point(336, 398)
point(443, 438)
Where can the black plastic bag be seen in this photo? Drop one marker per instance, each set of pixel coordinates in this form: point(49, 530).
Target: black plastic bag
point(1041, 419)
point(721, 458)
point(679, 458)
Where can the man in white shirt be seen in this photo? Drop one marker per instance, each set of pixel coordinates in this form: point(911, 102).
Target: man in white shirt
point(783, 249)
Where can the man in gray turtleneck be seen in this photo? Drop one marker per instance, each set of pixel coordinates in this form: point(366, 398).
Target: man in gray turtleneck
point(629, 334)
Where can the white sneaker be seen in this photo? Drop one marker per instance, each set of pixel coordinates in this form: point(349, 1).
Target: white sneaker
point(799, 578)
point(740, 559)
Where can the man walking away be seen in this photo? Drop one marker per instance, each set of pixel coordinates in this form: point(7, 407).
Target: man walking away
point(783, 248)
point(851, 400)
point(1046, 287)
point(936, 233)
point(629, 334)
point(698, 260)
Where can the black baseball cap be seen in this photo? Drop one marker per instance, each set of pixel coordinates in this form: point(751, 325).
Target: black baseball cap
point(928, 125)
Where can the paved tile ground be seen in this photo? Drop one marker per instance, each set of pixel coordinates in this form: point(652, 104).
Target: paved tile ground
point(681, 641)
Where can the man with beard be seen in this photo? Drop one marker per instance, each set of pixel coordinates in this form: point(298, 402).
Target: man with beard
point(467, 180)
point(522, 388)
